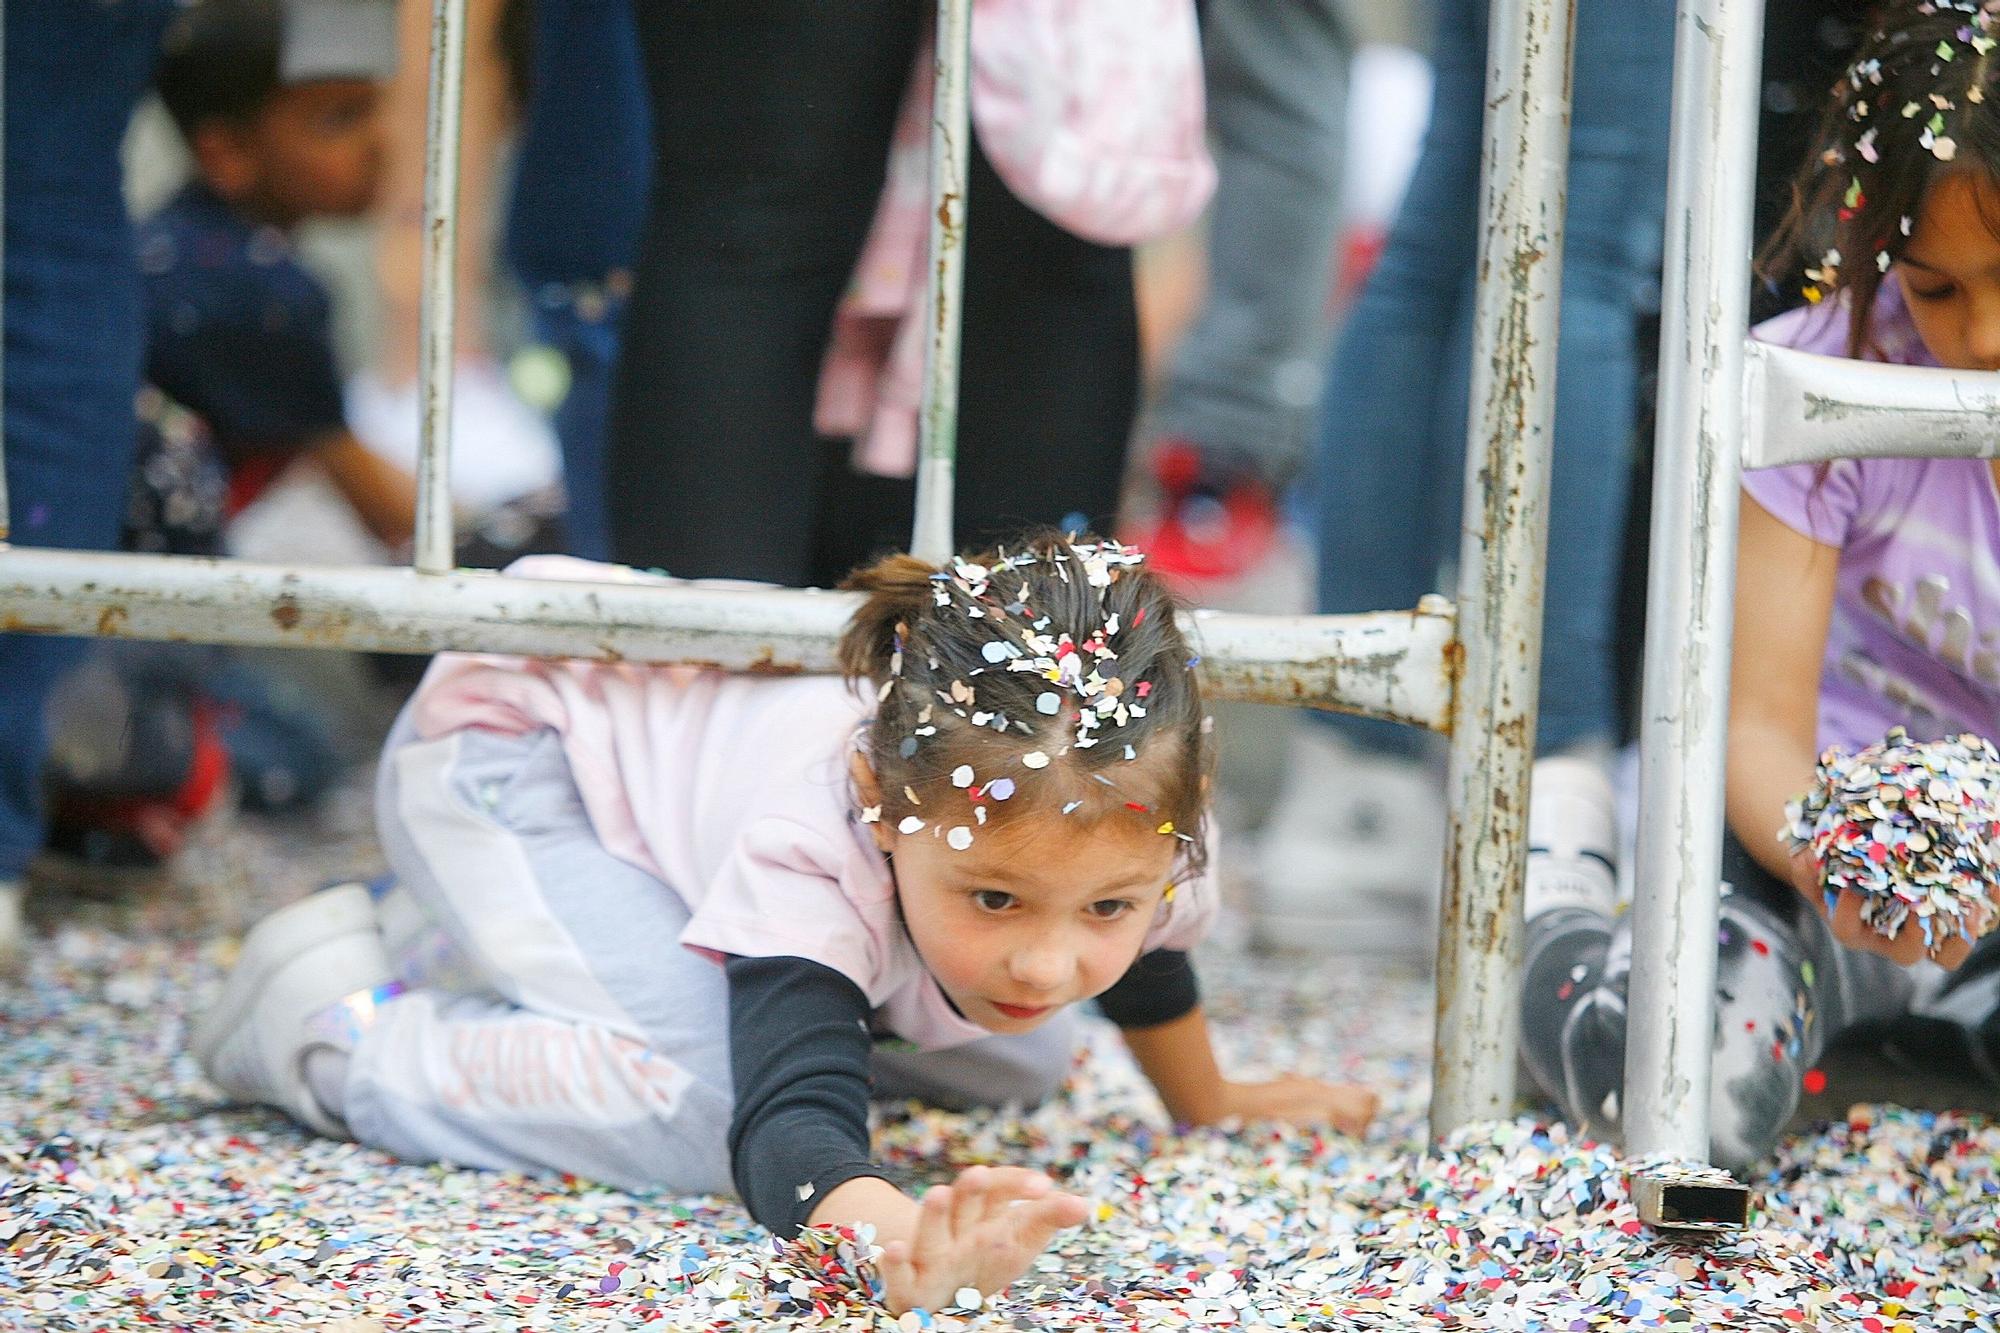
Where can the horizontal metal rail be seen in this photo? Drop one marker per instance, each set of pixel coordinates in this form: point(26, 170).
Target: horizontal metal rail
point(1799, 407)
point(1390, 664)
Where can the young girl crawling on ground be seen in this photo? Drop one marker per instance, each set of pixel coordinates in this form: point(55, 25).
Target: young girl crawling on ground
point(670, 928)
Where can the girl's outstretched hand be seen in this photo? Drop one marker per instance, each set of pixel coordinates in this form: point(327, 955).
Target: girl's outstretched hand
point(1348, 1107)
point(981, 1231)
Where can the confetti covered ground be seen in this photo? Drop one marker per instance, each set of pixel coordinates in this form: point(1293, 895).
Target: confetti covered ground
point(132, 1197)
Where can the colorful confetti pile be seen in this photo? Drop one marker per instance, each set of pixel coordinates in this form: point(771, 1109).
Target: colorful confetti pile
point(130, 1198)
point(1911, 826)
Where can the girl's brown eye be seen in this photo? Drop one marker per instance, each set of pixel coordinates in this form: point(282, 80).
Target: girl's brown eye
point(1931, 294)
point(993, 900)
point(1109, 909)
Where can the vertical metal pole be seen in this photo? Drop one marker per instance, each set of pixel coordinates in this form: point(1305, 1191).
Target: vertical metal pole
point(437, 321)
point(1692, 581)
point(930, 535)
point(1502, 548)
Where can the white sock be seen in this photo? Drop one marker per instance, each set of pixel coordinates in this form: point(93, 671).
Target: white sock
point(1572, 837)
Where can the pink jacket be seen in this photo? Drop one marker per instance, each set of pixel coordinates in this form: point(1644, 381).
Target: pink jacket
point(1091, 111)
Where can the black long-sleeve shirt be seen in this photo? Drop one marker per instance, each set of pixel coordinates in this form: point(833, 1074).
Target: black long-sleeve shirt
point(799, 1043)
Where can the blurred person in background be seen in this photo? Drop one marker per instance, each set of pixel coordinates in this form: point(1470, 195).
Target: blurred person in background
point(279, 106)
point(74, 346)
point(572, 225)
point(764, 409)
point(1358, 839)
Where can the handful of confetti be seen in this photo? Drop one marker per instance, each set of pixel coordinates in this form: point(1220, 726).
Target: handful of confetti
point(1911, 826)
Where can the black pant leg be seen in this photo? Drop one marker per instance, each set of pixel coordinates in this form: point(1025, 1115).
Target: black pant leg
point(771, 125)
point(1048, 390)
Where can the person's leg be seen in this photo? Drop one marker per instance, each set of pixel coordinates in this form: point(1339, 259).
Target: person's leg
point(1383, 471)
point(1246, 378)
point(771, 123)
point(1784, 988)
point(601, 1049)
point(994, 1071)
point(61, 446)
point(1048, 388)
point(1611, 255)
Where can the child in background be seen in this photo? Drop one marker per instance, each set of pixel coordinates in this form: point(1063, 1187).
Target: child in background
point(1868, 597)
point(702, 914)
point(279, 106)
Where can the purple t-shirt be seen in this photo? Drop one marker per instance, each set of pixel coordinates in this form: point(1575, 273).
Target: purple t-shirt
point(1915, 635)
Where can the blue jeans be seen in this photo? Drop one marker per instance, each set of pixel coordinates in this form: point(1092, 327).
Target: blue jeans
point(588, 344)
point(74, 333)
point(1391, 450)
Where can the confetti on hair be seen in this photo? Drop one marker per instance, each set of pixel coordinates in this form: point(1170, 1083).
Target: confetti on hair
point(1000, 788)
point(1035, 759)
point(910, 824)
point(871, 814)
point(959, 838)
point(962, 776)
point(1912, 827)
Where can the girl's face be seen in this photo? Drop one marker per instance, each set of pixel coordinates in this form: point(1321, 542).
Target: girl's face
point(1038, 913)
point(1950, 272)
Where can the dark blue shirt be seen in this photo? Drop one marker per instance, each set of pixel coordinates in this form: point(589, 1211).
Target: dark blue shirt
point(237, 330)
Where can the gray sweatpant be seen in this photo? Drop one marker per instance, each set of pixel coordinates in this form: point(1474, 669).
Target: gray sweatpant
point(1784, 988)
point(1247, 377)
point(554, 1023)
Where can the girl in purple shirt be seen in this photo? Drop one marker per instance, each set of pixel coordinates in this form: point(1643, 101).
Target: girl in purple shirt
point(1868, 597)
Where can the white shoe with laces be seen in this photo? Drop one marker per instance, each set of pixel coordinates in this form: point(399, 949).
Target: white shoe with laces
point(1572, 838)
point(253, 1042)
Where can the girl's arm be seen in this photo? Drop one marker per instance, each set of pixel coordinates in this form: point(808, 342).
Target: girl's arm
point(1784, 603)
point(799, 1149)
point(1180, 1060)
point(381, 494)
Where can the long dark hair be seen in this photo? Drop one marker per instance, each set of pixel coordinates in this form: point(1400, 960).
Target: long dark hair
point(1919, 103)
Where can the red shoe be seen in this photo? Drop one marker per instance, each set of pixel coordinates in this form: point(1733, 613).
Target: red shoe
point(1206, 531)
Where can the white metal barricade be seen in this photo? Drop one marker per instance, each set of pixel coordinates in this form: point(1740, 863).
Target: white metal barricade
point(1728, 403)
point(1470, 671)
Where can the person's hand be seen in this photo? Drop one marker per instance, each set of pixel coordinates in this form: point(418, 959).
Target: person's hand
point(981, 1231)
point(1948, 948)
point(1348, 1107)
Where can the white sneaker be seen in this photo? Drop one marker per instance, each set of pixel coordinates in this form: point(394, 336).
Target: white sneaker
point(1353, 855)
point(13, 929)
point(253, 1041)
point(1572, 838)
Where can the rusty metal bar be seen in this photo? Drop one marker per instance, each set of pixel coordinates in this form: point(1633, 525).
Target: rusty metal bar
point(1799, 407)
point(1691, 590)
point(437, 320)
point(944, 307)
point(1387, 664)
point(1522, 191)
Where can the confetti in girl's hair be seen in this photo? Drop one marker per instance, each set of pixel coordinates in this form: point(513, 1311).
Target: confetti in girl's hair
point(1918, 103)
point(1000, 677)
